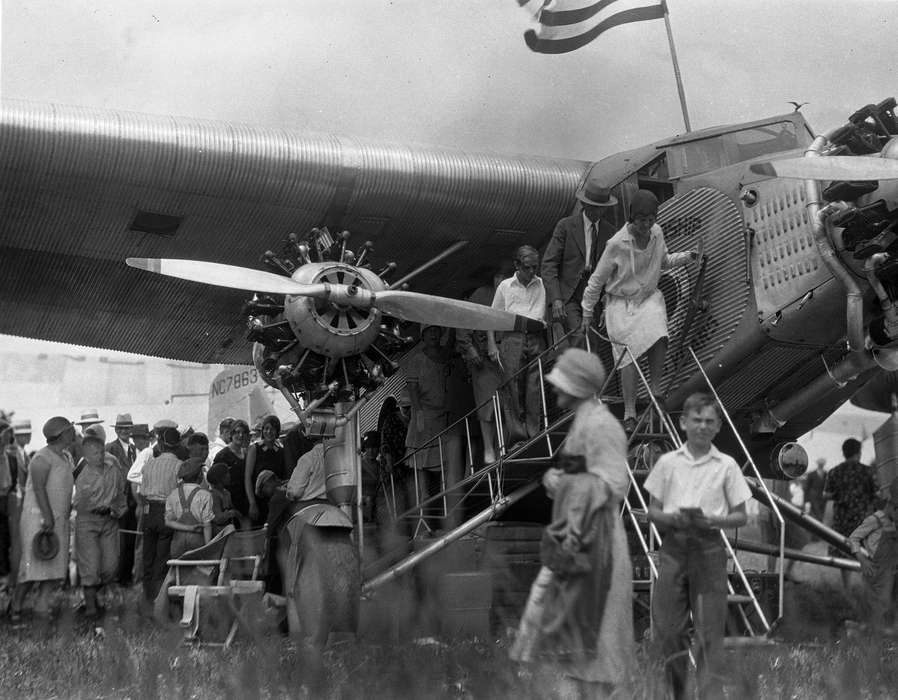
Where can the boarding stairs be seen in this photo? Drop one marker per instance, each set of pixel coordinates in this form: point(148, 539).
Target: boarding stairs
point(656, 433)
point(486, 492)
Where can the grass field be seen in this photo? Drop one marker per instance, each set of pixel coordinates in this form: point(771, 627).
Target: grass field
point(132, 658)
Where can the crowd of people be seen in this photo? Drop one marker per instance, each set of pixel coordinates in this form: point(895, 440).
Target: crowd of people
point(104, 515)
point(148, 495)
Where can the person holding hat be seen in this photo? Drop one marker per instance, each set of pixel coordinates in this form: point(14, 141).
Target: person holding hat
point(46, 506)
point(577, 244)
point(579, 612)
point(188, 510)
point(635, 313)
point(159, 478)
point(99, 503)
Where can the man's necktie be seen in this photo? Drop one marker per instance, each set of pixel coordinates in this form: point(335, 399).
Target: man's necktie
point(131, 454)
point(593, 245)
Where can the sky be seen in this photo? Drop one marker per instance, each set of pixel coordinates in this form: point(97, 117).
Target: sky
point(449, 72)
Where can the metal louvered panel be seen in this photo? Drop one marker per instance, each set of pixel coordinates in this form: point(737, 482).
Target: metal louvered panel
point(763, 373)
point(786, 263)
point(706, 214)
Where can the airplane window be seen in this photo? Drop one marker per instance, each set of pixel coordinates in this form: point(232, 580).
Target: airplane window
point(715, 152)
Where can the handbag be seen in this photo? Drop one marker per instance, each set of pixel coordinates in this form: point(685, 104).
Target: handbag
point(560, 560)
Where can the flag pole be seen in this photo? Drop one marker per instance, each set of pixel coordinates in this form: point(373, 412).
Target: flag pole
point(676, 67)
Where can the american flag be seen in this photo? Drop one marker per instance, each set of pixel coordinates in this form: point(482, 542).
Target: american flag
point(567, 25)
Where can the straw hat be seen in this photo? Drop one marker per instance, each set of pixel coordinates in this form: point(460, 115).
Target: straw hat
point(89, 416)
point(45, 545)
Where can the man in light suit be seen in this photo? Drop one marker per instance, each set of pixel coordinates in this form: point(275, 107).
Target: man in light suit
point(124, 451)
point(572, 253)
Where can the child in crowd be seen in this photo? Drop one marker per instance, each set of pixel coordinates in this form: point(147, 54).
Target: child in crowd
point(696, 490)
point(223, 511)
point(874, 543)
point(188, 510)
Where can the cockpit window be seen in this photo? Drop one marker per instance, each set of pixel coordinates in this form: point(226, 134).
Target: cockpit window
point(696, 157)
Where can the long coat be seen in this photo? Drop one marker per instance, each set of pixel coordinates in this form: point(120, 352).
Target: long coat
point(585, 621)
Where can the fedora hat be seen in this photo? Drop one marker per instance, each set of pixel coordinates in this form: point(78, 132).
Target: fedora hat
point(123, 420)
point(140, 430)
point(21, 427)
point(45, 545)
point(88, 417)
point(596, 195)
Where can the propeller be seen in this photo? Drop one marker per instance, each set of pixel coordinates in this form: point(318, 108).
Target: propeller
point(409, 306)
point(830, 168)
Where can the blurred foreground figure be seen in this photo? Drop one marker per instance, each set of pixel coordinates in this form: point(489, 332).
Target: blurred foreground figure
point(874, 543)
point(579, 613)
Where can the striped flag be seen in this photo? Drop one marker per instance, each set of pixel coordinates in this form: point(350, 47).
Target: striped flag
point(566, 25)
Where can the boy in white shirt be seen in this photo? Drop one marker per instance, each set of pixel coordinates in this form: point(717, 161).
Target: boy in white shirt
point(696, 490)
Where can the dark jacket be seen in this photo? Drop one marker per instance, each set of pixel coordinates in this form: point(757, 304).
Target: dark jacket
point(564, 261)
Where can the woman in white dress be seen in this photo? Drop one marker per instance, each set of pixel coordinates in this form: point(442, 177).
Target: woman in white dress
point(635, 314)
point(46, 508)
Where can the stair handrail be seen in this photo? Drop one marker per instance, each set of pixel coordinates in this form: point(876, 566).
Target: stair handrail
point(524, 368)
point(495, 468)
point(757, 474)
point(667, 423)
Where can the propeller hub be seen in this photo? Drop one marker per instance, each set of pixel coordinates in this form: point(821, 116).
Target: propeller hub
point(343, 320)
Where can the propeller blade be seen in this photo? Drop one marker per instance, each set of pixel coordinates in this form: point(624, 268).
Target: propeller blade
point(831, 168)
point(220, 275)
point(452, 313)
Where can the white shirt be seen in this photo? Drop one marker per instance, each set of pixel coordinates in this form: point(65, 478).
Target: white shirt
point(712, 482)
point(135, 473)
point(514, 297)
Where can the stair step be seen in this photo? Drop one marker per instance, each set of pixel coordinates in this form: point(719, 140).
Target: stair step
point(748, 641)
point(737, 598)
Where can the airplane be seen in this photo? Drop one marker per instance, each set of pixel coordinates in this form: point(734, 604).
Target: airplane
point(790, 315)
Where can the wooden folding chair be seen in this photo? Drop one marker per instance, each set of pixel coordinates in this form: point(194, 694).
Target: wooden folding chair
point(198, 567)
point(238, 573)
